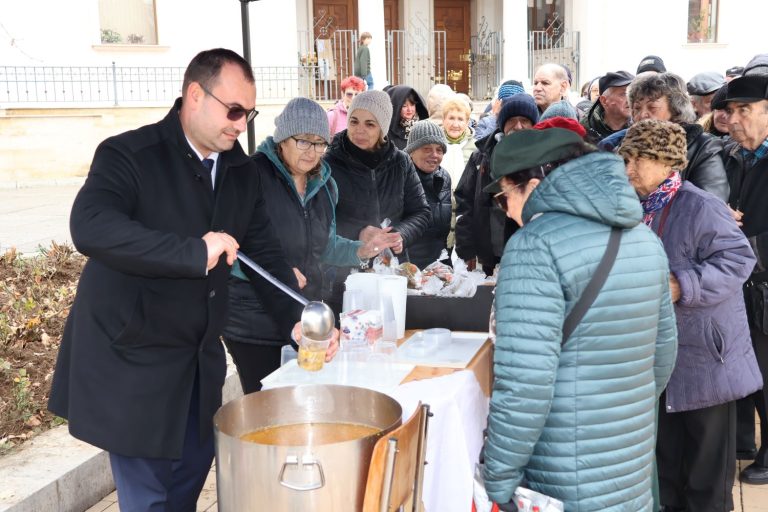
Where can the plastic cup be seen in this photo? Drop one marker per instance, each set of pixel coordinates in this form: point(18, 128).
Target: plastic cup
point(312, 352)
point(287, 353)
point(352, 300)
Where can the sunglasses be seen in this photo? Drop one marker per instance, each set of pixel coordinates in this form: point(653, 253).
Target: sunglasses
point(500, 199)
point(235, 113)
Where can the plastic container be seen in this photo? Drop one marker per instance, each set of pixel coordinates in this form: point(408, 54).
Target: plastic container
point(438, 336)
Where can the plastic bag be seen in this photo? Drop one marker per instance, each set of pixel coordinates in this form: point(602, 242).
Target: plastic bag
point(526, 499)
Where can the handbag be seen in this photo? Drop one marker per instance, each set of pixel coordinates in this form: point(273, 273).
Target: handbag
point(756, 301)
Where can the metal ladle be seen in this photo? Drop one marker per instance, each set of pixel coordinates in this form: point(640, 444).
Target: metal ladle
point(317, 318)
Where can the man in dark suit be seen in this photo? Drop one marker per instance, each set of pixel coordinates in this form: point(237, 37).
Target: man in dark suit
point(161, 216)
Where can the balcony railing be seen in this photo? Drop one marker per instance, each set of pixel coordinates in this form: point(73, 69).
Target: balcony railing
point(23, 86)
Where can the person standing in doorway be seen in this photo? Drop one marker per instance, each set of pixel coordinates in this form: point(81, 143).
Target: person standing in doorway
point(363, 60)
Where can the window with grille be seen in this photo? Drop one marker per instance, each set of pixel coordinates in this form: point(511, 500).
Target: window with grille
point(702, 21)
point(127, 21)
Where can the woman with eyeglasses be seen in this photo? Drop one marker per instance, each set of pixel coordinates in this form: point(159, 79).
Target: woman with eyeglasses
point(407, 108)
point(337, 115)
point(376, 182)
point(301, 197)
point(575, 417)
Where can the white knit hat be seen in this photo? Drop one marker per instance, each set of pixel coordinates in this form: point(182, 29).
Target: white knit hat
point(377, 103)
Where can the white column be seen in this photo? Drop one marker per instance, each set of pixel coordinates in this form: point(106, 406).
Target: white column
point(515, 44)
point(371, 19)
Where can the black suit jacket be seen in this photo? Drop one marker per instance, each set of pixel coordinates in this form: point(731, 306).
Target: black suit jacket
point(147, 317)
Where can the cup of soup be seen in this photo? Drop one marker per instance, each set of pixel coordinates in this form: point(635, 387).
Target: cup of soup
point(312, 352)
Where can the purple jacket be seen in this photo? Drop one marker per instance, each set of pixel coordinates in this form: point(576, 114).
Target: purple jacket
point(711, 258)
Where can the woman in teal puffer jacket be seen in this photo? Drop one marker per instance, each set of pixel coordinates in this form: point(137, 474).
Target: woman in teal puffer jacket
point(575, 422)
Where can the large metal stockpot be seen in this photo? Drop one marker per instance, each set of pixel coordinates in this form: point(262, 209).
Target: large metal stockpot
point(330, 477)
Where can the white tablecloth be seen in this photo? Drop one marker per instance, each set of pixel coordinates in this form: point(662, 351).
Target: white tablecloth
point(454, 436)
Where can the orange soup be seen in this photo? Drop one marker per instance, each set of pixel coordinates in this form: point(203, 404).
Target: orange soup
point(302, 434)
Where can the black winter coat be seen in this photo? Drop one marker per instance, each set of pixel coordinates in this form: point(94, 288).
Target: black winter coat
point(749, 188)
point(478, 221)
point(705, 162)
point(368, 196)
point(303, 230)
point(437, 189)
point(398, 95)
point(147, 318)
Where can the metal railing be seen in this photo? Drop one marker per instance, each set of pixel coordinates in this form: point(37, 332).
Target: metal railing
point(121, 86)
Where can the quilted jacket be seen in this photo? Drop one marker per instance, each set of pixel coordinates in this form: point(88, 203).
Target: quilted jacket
point(577, 422)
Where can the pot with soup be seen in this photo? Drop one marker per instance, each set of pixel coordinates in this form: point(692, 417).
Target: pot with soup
point(299, 448)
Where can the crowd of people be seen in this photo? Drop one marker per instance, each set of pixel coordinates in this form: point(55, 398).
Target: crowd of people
point(625, 379)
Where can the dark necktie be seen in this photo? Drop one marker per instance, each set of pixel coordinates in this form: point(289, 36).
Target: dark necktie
point(208, 164)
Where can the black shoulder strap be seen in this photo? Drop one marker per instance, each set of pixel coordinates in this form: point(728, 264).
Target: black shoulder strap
point(593, 287)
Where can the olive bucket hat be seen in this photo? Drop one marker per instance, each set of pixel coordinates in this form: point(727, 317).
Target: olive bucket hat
point(526, 149)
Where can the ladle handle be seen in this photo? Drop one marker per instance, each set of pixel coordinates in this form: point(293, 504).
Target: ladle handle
point(272, 279)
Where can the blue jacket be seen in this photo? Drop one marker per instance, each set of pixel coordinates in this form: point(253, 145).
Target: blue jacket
point(577, 422)
point(711, 258)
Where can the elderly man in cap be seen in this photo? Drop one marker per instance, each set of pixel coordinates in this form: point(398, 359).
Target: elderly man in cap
point(481, 229)
point(702, 89)
point(610, 113)
point(746, 162)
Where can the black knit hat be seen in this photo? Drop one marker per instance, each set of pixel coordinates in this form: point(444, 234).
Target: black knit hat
point(522, 105)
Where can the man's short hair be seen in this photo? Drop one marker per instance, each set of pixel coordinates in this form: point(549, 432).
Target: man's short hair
point(206, 66)
point(557, 70)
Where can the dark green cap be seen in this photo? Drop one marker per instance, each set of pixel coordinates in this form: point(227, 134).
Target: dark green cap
point(525, 149)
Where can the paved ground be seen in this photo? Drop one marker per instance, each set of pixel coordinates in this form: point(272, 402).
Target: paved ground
point(30, 217)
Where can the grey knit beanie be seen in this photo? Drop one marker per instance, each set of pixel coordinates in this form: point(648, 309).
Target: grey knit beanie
point(562, 108)
point(423, 133)
point(377, 103)
point(301, 115)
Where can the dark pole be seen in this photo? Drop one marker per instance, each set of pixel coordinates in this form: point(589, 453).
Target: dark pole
point(247, 57)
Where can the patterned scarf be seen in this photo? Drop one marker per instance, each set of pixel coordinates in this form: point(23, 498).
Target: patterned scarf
point(408, 123)
point(660, 197)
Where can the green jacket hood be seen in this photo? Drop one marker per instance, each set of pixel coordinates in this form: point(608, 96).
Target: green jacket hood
point(593, 186)
point(269, 148)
